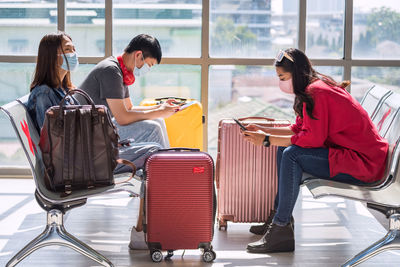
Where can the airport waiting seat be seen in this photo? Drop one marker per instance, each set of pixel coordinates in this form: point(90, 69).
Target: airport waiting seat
point(373, 98)
point(52, 202)
point(387, 110)
point(382, 196)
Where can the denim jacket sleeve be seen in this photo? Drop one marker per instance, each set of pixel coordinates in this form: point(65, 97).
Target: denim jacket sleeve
point(42, 98)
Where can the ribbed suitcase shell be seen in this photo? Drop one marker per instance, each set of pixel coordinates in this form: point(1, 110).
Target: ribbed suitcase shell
point(179, 200)
point(246, 175)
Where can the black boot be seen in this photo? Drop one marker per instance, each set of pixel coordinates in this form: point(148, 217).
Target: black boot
point(262, 229)
point(276, 239)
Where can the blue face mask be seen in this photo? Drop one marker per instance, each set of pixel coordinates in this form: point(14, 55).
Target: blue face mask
point(73, 62)
point(141, 71)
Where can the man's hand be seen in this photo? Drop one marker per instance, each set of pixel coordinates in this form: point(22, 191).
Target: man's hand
point(256, 137)
point(166, 109)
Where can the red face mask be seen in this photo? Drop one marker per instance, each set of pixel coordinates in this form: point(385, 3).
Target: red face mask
point(127, 75)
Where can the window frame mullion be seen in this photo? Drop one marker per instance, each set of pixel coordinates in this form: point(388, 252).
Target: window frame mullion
point(61, 15)
point(301, 42)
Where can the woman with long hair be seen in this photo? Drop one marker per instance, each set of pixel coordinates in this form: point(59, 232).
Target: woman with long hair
point(52, 80)
point(333, 138)
point(52, 77)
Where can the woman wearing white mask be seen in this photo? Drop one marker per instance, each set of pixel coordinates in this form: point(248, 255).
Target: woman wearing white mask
point(333, 138)
point(52, 78)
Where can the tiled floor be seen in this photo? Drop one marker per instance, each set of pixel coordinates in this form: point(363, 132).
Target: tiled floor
point(328, 231)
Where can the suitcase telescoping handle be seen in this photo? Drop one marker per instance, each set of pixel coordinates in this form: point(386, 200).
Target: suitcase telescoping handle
point(279, 121)
point(180, 149)
point(170, 97)
point(256, 118)
point(178, 100)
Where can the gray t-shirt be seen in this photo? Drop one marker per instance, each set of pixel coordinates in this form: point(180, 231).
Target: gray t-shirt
point(105, 81)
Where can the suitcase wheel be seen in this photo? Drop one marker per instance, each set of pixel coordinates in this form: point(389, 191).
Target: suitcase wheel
point(156, 256)
point(209, 255)
point(222, 224)
point(169, 254)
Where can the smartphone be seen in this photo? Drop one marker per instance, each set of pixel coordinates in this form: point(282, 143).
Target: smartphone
point(240, 124)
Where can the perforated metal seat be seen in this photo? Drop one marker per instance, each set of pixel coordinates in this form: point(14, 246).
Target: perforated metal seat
point(383, 196)
point(53, 203)
point(373, 98)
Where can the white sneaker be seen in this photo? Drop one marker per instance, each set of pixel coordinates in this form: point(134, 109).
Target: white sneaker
point(137, 240)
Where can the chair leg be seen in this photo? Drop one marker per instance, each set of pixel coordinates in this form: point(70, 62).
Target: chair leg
point(55, 234)
point(389, 242)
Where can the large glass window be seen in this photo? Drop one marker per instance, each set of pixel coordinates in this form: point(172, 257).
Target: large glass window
point(15, 79)
point(244, 91)
point(376, 30)
point(252, 28)
point(167, 80)
point(175, 23)
point(325, 28)
point(364, 77)
point(85, 25)
point(14, 83)
point(335, 73)
point(81, 73)
point(24, 23)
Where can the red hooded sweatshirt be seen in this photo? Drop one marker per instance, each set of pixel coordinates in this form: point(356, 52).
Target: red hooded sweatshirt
point(343, 126)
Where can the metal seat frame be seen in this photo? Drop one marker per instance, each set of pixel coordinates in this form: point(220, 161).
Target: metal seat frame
point(53, 203)
point(382, 196)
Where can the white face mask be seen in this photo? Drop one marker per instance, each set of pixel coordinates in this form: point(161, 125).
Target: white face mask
point(286, 86)
point(141, 71)
point(72, 59)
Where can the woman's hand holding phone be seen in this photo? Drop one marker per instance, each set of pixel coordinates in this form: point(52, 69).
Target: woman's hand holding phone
point(251, 132)
point(252, 127)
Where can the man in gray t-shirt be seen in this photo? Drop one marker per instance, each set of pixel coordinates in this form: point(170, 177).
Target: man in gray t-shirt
point(108, 83)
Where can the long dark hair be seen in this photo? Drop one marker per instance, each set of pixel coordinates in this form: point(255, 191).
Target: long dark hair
point(303, 74)
point(46, 71)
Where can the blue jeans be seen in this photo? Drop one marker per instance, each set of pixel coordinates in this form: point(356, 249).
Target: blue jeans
point(149, 136)
point(145, 131)
point(137, 153)
point(292, 161)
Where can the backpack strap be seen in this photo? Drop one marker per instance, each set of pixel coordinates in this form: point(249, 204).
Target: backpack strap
point(68, 149)
point(87, 143)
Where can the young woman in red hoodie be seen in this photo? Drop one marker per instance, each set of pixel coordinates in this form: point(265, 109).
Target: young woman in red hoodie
point(333, 138)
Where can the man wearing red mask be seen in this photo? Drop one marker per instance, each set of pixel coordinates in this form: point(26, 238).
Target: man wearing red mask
point(108, 83)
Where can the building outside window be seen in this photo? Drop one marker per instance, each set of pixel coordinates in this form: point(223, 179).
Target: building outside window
point(219, 52)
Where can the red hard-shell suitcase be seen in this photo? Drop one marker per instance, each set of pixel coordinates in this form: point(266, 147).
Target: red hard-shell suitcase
point(179, 202)
point(246, 175)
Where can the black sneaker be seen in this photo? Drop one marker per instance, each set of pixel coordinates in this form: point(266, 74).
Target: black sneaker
point(262, 229)
point(276, 239)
